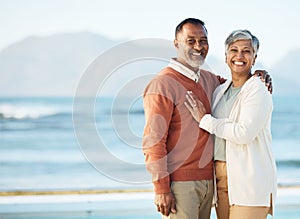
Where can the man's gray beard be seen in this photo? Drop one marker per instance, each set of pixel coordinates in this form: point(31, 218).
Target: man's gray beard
point(196, 64)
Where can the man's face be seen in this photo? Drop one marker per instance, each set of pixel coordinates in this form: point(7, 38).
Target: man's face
point(192, 46)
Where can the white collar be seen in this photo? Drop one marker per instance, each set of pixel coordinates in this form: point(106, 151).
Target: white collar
point(184, 70)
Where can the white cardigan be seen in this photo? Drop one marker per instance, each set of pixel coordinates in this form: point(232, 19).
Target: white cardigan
point(251, 166)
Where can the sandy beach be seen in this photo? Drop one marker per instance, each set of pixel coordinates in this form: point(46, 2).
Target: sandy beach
point(109, 204)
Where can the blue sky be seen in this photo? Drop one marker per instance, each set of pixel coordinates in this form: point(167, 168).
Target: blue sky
point(276, 23)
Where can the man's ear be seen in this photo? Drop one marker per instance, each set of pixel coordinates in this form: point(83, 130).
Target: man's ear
point(225, 57)
point(176, 43)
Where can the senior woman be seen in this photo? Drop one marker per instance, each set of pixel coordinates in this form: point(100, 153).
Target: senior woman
point(241, 122)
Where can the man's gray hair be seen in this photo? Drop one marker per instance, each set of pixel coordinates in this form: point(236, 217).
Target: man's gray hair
point(242, 35)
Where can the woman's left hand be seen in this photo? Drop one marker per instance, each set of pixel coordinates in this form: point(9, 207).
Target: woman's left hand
point(195, 106)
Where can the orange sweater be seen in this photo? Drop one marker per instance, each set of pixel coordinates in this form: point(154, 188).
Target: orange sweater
point(175, 148)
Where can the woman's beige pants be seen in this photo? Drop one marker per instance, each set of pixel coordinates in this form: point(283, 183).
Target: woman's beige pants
point(223, 210)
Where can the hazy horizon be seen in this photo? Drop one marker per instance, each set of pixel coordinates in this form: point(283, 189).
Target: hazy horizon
point(273, 22)
point(40, 68)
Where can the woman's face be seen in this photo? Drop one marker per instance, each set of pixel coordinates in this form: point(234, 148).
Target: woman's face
point(240, 57)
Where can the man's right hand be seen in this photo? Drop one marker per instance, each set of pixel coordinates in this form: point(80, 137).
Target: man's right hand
point(165, 203)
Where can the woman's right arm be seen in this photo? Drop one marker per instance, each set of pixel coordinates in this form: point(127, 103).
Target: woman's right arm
point(253, 112)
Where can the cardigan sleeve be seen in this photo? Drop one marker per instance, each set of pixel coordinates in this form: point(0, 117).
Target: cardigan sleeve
point(251, 115)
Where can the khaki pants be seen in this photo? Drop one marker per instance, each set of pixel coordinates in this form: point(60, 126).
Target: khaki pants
point(224, 211)
point(193, 199)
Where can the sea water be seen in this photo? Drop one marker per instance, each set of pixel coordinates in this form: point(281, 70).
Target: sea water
point(40, 150)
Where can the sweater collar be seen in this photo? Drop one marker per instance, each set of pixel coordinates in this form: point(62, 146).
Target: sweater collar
point(184, 70)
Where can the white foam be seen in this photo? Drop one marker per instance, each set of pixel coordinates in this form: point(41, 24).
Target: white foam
point(80, 198)
point(10, 111)
point(284, 194)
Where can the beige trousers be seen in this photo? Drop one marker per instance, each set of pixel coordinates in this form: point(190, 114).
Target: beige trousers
point(224, 211)
point(193, 199)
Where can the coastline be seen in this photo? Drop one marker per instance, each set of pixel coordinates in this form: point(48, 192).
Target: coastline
point(286, 196)
point(71, 192)
point(138, 203)
point(78, 204)
point(97, 191)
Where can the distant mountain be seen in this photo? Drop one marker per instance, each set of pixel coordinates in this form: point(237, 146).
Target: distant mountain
point(53, 66)
point(46, 66)
point(285, 74)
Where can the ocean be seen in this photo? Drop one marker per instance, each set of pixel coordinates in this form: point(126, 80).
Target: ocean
point(41, 151)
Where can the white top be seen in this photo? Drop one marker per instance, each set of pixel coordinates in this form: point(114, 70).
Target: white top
point(251, 166)
point(222, 110)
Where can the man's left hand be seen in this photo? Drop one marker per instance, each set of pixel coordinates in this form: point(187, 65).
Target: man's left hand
point(265, 77)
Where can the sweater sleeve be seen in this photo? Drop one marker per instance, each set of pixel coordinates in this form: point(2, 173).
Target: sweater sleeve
point(251, 119)
point(158, 109)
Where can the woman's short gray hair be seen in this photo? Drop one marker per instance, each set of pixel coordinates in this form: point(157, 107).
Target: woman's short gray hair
point(242, 35)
